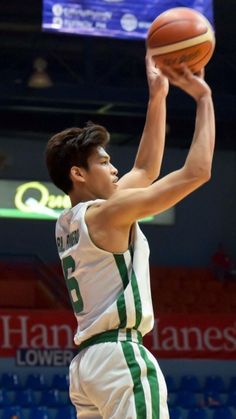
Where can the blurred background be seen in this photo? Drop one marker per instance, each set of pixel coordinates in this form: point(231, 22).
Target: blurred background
point(50, 81)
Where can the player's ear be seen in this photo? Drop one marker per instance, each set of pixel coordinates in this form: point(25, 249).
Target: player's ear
point(77, 174)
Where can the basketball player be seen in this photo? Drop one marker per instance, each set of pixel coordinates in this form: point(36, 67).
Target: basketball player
point(105, 255)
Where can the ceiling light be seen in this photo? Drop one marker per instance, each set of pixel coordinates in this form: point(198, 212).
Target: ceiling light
point(40, 78)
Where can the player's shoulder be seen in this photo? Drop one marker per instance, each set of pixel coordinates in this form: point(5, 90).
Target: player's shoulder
point(93, 209)
point(110, 212)
point(102, 205)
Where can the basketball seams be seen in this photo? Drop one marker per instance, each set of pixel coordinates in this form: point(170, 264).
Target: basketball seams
point(185, 50)
point(207, 36)
point(202, 58)
point(154, 32)
point(194, 66)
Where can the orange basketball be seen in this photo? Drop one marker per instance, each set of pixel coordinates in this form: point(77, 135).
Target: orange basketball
point(181, 35)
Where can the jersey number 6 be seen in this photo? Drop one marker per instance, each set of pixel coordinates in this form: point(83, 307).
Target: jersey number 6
point(68, 264)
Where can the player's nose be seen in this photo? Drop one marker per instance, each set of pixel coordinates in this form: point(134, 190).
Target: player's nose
point(114, 170)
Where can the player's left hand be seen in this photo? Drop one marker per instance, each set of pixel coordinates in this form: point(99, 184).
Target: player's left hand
point(158, 83)
point(192, 84)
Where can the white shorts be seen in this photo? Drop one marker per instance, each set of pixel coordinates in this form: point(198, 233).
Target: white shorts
point(117, 380)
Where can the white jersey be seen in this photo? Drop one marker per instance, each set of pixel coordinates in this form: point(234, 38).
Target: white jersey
point(108, 291)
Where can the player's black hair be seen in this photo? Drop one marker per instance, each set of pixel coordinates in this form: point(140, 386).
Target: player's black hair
point(72, 147)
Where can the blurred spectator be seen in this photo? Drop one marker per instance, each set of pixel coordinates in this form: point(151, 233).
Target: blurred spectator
point(222, 264)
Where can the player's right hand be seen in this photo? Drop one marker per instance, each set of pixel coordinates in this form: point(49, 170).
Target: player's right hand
point(157, 82)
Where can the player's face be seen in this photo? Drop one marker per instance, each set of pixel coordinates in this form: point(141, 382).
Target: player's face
point(101, 177)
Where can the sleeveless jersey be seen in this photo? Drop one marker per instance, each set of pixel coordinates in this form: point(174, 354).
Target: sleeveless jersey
point(108, 291)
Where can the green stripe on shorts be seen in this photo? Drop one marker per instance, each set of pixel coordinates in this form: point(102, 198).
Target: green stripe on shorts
point(135, 371)
point(153, 383)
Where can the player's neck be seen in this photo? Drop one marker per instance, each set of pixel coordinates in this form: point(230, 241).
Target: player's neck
point(80, 196)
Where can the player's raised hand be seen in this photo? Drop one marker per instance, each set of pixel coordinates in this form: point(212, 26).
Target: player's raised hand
point(157, 81)
point(193, 84)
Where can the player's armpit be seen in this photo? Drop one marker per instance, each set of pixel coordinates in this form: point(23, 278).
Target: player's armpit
point(136, 178)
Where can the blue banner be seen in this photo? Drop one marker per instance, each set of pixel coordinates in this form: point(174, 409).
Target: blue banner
point(113, 18)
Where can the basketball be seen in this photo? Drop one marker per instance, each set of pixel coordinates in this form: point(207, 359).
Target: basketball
point(181, 35)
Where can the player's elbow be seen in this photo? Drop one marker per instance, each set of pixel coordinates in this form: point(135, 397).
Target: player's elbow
point(205, 171)
point(202, 177)
point(207, 175)
point(199, 173)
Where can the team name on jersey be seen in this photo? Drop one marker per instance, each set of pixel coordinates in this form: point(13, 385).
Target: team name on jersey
point(64, 243)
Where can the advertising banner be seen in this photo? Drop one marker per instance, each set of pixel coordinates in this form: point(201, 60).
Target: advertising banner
point(113, 18)
point(45, 337)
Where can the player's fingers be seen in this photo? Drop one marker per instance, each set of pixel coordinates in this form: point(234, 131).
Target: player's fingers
point(149, 60)
point(167, 71)
point(201, 73)
point(176, 74)
point(184, 71)
point(151, 66)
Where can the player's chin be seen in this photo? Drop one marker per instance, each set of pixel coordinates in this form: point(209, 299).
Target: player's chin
point(112, 190)
point(108, 193)
point(115, 186)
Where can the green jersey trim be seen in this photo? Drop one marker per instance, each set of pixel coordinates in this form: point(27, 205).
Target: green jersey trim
point(121, 265)
point(121, 306)
point(137, 300)
point(136, 293)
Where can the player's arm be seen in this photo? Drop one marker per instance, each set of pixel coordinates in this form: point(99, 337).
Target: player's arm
point(126, 206)
point(149, 156)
